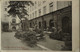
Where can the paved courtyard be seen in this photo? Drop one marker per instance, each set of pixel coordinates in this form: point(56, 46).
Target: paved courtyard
point(9, 42)
point(51, 43)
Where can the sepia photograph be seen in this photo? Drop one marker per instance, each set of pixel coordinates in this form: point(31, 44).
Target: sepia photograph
point(36, 25)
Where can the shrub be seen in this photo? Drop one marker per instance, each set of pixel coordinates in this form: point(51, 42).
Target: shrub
point(29, 37)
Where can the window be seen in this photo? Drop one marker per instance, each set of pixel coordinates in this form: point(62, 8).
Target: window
point(30, 16)
point(36, 22)
point(33, 7)
point(13, 20)
point(35, 4)
point(30, 8)
point(35, 13)
point(30, 25)
point(39, 12)
point(70, 3)
point(39, 3)
point(44, 10)
point(5, 9)
point(51, 7)
point(44, 1)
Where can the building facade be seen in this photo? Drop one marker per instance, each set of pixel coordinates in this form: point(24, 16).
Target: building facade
point(14, 23)
point(48, 14)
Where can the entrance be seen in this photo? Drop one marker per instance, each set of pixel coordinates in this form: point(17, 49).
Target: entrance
point(65, 25)
point(39, 24)
point(14, 28)
point(44, 23)
point(51, 23)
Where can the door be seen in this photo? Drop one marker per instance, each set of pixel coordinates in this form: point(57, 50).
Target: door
point(65, 25)
point(51, 23)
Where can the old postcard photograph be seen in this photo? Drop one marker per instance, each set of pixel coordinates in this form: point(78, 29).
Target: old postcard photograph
point(37, 25)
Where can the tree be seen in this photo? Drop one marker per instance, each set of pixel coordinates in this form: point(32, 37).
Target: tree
point(17, 8)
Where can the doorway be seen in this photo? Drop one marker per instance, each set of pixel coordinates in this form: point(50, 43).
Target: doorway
point(65, 25)
point(13, 28)
point(51, 23)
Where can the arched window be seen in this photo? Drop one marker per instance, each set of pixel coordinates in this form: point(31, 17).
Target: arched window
point(13, 20)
